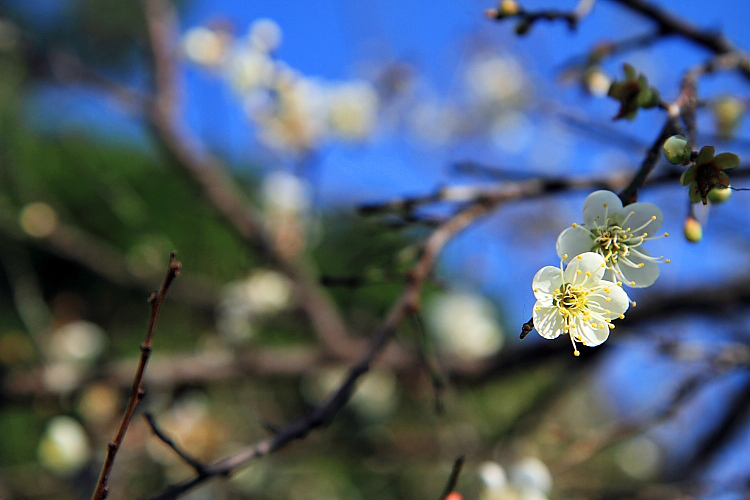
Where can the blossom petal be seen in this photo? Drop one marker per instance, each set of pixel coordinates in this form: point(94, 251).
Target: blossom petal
point(547, 280)
point(587, 262)
point(590, 335)
point(727, 160)
point(641, 276)
point(695, 193)
point(688, 176)
point(574, 241)
point(598, 206)
point(618, 300)
point(548, 321)
point(705, 155)
point(640, 216)
point(723, 179)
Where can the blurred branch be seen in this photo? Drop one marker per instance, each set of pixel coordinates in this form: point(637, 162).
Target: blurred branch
point(728, 358)
point(668, 23)
point(216, 185)
point(321, 415)
point(601, 439)
point(630, 193)
point(534, 188)
point(526, 19)
point(733, 422)
point(26, 291)
point(104, 260)
point(611, 48)
point(136, 394)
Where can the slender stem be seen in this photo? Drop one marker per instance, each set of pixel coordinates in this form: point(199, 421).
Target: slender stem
point(453, 479)
point(197, 466)
point(136, 394)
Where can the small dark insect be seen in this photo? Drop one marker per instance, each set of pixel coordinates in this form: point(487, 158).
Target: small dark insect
point(526, 328)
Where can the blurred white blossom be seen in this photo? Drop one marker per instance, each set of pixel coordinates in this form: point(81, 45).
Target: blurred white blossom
point(77, 341)
point(464, 325)
point(293, 113)
point(205, 46)
point(64, 446)
point(285, 193)
point(353, 108)
point(639, 457)
point(494, 80)
point(263, 293)
point(527, 479)
point(265, 35)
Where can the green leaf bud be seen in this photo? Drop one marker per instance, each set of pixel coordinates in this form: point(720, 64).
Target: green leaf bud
point(676, 150)
point(719, 194)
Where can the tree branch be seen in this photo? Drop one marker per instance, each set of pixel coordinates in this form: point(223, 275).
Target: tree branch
point(136, 394)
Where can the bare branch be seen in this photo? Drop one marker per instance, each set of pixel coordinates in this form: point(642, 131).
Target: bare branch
point(136, 394)
point(197, 466)
point(668, 23)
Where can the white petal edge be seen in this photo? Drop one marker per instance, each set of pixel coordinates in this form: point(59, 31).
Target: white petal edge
point(574, 241)
point(585, 262)
point(593, 336)
point(548, 321)
point(619, 300)
point(547, 280)
point(598, 206)
point(641, 276)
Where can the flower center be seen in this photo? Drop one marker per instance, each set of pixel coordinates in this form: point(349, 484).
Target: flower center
point(611, 243)
point(570, 299)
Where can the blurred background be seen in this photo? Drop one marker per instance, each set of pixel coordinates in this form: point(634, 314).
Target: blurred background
point(316, 109)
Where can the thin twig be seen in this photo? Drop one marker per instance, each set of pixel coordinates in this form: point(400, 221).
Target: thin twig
point(136, 394)
point(526, 19)
point(436, 378)
point(197, 466)
point(453, 479)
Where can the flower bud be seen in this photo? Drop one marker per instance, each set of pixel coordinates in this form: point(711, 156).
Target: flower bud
point(693, 230)
point(719, 194)
point(728, 112)
point(676, 150)
point(509, 7)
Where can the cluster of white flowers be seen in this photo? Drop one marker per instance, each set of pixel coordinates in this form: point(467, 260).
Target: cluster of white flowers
point(600, 255)
point(294, 113)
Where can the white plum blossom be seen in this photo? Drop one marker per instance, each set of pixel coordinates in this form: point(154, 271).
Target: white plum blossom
point(616, 233)
point(465, 325)
point(577, 301)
